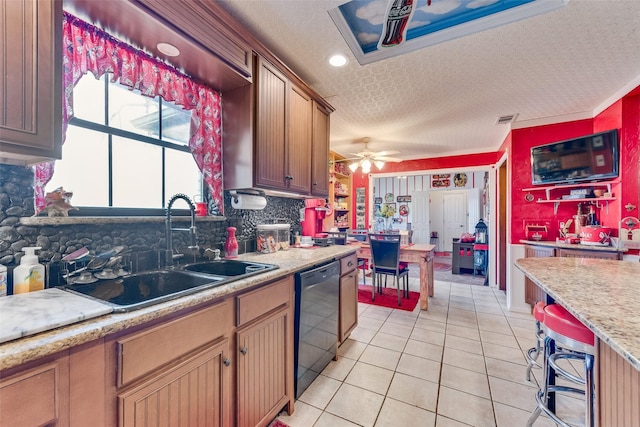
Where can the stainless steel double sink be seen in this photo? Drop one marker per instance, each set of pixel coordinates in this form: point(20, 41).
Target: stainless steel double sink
point(144, 289)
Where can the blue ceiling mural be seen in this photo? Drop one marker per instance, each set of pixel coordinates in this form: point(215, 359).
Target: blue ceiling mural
point(378, 29)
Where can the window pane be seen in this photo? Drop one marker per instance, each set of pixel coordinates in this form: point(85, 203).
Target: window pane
point(84, 168)
point(128, 110)
point(88, 99)
point(137, 174)
point(176, 123)
point(182, 175)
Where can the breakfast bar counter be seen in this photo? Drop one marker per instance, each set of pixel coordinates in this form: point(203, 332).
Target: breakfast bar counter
point(605, 296)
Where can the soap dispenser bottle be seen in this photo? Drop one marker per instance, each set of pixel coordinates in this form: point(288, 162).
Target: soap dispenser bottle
point(231, 245)
point(29, 275)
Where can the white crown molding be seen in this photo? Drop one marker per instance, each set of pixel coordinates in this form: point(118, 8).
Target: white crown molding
point(617, 95)
point(542, 121)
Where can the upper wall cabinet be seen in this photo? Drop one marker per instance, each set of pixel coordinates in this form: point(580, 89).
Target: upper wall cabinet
point(320, 151)
point(31, 83)
point(276, 137)
point(205, 24)
point(283, 132)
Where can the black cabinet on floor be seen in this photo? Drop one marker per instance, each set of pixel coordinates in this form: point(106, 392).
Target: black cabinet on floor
point(462, 257)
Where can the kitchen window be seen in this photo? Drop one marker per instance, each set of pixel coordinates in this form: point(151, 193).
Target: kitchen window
point(124, 149)
point(140, 133)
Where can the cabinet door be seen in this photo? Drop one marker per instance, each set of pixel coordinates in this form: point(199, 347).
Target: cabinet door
point(320, 152)
point(31, 87)
point(348, 304)
point(37, 396)
point(270, 141)
point(532, 293)
point(262, 373)
point(193, 393)
point(299, 141)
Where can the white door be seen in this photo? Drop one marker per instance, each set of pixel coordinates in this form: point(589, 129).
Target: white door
point(454, 212)
point(420, 216)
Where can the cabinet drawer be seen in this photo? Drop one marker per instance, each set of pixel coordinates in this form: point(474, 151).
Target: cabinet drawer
point(141, 353)
point(256, 303)
point(348, 264)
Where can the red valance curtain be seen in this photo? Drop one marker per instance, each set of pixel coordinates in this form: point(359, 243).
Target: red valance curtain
point(86, 48)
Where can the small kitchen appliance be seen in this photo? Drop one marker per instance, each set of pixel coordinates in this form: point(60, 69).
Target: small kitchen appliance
point(595, 235)
point(314, 213)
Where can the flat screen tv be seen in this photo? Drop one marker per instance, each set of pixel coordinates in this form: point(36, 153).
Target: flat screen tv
point(588, 158)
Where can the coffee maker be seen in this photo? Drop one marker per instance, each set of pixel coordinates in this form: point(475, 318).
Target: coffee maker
point(315, 212)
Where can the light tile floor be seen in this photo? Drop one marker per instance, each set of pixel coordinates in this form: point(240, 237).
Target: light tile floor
point(460, 363)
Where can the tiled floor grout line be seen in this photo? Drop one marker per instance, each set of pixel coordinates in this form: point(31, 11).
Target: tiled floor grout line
point(453, 300)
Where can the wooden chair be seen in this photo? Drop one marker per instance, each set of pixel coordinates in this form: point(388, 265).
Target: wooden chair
point(385, 250)
point(362, 263)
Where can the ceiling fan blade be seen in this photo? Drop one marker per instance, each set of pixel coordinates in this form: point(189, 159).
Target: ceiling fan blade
point(385, 153)
point(387, 159)
point(350, 159)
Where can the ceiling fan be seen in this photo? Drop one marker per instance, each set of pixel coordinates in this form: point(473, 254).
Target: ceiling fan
point(366, 158)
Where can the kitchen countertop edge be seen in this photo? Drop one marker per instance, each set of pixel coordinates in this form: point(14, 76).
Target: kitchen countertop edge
point(22, 350)
point(552, 244)
point(607, 309)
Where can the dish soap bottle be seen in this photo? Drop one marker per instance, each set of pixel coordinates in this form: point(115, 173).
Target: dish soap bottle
point(231, 245)
point(29, 275)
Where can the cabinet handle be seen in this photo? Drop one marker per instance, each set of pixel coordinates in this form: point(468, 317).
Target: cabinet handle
point(244, 350)
point(226, 362)
point(350, 263)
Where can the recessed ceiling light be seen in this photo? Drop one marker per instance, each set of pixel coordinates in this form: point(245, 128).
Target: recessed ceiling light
point(338, 60)
point(168, 49)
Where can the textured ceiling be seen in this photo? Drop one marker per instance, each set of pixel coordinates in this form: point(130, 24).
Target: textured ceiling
point(445, 99)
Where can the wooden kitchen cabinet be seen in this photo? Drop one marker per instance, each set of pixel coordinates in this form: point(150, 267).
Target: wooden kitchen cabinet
point(31, 87)
point(264, 353)
point(299, 141)
point(283, 132)
point(38, 395)
point(178, 372)
point(194, 392)
point(532, 293)
point(348, 314)
point(582, 253)
point(320, 151)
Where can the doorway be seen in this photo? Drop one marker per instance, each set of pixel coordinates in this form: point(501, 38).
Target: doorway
point(454, 217)
point(421, 225)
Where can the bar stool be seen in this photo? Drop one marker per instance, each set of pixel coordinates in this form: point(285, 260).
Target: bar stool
point(534, 352)
point(566, 339)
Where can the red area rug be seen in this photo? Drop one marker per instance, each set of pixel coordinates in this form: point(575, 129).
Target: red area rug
point(278, 423)
point(388, 298)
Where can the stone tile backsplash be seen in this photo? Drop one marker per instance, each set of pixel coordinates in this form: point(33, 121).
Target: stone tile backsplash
point(16, 201)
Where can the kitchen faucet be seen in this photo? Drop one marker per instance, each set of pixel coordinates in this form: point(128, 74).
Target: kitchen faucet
point(169, 255)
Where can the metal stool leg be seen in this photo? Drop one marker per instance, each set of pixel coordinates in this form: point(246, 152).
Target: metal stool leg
point(534, 352)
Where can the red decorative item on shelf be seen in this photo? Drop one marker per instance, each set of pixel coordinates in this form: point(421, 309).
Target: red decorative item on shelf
point(231, 245)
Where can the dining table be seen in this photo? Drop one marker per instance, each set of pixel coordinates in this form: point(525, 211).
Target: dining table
point(413, 253)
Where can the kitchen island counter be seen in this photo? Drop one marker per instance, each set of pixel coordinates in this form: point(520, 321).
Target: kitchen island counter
point(16, 352)
point(603, 294)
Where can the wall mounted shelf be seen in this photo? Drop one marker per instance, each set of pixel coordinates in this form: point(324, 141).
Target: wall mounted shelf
point(556, 202)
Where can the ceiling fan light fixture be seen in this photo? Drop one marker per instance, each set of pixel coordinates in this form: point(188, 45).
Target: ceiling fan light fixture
point(354, 166)
point(366, 166)
point(379, 164)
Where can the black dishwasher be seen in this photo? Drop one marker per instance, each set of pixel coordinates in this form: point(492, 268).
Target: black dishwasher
point(316, 322)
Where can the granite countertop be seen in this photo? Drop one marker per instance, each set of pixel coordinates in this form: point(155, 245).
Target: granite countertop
point(21, 350)
point(563, 245)
point(602, 294)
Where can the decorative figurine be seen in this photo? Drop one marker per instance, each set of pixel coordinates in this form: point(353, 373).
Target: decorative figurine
point(58, 202)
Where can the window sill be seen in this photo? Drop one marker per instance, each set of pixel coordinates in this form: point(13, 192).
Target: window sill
point(99, 220)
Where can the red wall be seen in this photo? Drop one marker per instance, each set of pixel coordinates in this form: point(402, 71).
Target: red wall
point(520, 166)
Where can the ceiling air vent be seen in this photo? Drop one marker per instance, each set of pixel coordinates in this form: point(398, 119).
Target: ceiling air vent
point(510, 118)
